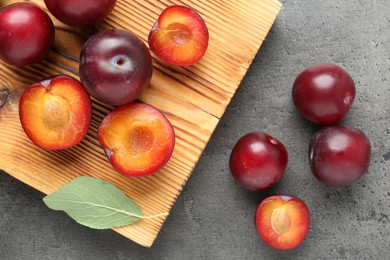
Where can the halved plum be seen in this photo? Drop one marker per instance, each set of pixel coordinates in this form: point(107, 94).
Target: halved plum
point(179, 36)
point(137, 139)
point(55, 113)
point(282, 222)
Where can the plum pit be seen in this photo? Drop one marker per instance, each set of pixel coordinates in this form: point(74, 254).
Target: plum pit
point(55, 112)
point(280, 221)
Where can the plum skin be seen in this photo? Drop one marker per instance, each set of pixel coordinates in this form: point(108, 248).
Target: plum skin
point(80, 13)
point(323, 93)
point(339, 155)
point(258, 161)
point(26, 34)
point(115, 67)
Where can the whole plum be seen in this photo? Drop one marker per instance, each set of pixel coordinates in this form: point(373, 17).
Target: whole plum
point(26, 34)
point(80, 13)
point(115, 67)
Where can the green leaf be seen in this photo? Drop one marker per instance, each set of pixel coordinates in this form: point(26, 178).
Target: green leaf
point(95, 203)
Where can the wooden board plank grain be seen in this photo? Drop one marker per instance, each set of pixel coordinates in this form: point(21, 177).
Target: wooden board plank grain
point(193, 98)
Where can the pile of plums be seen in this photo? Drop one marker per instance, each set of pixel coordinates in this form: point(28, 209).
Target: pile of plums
point(338, 155)
point(115, 68)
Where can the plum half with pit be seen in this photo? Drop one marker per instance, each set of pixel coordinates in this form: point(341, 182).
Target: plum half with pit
point(282, 221)
point(55, 113)
point(137, 139)
point(80, 13)
point(339, 155)
point(115, 67)
point(26, 34)
point(258, 161)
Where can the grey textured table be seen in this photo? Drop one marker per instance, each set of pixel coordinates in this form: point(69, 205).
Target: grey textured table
point(213, 217)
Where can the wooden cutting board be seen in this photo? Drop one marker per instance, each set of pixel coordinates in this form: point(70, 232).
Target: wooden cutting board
point(193, 98)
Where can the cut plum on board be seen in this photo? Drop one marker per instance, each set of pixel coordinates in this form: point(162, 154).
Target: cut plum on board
point(179, 36)
point(137, 139)
point(55, 113)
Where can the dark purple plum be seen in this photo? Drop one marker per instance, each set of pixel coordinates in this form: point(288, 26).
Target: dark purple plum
point(323, 93)
point(115, 67)
point(26, 34)
point(339, 155)
point(258, 161)
point(80, 13)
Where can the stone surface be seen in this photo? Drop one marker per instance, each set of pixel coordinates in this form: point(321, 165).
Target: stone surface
point(213, 217)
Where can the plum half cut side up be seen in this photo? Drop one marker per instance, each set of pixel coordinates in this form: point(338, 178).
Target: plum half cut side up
point(137, 139)
point(282, 221)
point(55, 113)
point(179, 36)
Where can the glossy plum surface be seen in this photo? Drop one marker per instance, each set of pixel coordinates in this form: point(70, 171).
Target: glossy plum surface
point(258, 161)
point(179, 36)
point(80, 13)
point(282, 222)
point(55, 113)
point(323, 93)
point(26, 34)
point(115, 66)
point(339, 155)
point(137, 139)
